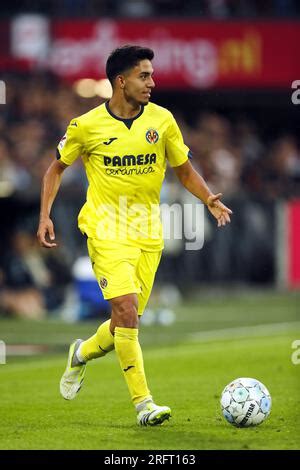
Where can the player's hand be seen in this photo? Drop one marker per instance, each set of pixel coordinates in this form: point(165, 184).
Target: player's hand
point(45, 229)
point(218, 209)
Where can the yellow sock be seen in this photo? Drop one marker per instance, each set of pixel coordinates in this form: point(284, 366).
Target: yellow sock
point(99, 344)
point(130, 357)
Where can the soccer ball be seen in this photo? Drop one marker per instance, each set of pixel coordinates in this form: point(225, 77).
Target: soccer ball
point(245, 402)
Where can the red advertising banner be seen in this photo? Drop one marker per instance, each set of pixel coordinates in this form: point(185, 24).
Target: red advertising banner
point(188, 54)
point(293, 244)
point(287, 244)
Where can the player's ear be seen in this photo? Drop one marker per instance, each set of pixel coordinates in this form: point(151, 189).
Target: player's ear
point(120, 80)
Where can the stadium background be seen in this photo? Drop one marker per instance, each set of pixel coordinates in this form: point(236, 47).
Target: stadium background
point(225, 69)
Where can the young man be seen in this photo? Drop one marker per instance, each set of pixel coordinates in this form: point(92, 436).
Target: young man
point(125, 144)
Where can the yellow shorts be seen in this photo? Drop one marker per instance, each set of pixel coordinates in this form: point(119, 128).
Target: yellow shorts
point(122, 270)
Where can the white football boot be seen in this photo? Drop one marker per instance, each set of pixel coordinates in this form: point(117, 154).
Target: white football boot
point(72, 379)
point(152, 414)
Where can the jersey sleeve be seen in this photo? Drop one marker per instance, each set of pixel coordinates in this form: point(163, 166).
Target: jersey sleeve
point(176, 150)
point(70, 146)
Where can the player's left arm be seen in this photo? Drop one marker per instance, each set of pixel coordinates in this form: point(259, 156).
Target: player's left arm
point(196, 185)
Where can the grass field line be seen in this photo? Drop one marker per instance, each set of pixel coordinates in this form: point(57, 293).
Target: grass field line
point(267, 329)
point(218, 335)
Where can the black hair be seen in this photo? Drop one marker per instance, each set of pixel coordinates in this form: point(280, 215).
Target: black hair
point(125, 58)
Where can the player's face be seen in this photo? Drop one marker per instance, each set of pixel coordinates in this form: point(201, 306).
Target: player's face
point(138, 83)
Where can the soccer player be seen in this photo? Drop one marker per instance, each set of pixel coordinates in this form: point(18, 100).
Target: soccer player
point(125, 145)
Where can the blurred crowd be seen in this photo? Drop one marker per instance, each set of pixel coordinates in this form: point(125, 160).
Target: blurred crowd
point(232, 155)
point(152, 8)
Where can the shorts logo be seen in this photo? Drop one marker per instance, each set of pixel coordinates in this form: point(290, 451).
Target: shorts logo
point(152, 136)
point(103, 282)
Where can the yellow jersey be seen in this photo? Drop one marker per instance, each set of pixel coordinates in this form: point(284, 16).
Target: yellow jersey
point(125, 162)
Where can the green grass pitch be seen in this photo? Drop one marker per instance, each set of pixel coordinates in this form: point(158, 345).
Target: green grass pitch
point(188, 364)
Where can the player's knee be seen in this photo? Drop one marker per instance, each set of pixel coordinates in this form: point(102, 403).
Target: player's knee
point(125, 313)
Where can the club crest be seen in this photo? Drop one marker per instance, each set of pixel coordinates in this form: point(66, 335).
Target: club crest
point(103, 282)
point(152, 136)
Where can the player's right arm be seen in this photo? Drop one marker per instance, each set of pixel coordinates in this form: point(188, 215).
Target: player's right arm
point(50, 186)
point(69, 149)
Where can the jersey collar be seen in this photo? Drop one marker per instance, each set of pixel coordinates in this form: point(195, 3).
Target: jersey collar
point(127, 122)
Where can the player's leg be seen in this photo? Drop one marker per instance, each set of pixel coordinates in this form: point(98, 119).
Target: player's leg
point(121, 277)
point(124, 323)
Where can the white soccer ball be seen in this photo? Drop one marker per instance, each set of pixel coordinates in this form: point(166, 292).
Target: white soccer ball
point(245, 402)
